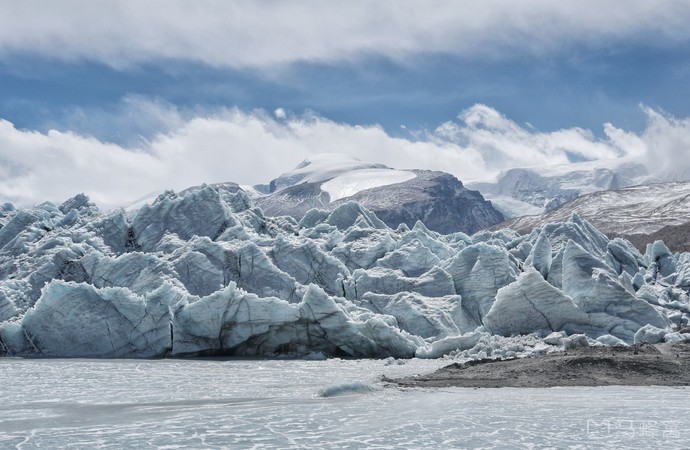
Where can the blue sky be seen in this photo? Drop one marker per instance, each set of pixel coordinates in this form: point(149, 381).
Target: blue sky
point(387, 80)
point(577, 88)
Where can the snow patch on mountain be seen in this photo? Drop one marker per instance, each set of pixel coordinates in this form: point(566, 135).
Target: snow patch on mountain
point(350, 183)
point(321, 167)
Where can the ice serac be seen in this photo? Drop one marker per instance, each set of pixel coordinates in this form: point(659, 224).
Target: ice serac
point(231, 321)
point(660, 262)
point(116, 232)
point(205, 266)
point(540, 256)
point(18, 223)
point(199, 213)
point(352, 213)
point(7, 308)
point(428, 317)
point(622, 256)
point(532, 305)
point(596, 290)
point(435, 283)
point(478, 272)
point(139, 272)
point(650, 334)
point(361, 248)
point(683, 274)
point(412, 258)
point(308, 264)
point(205, 272)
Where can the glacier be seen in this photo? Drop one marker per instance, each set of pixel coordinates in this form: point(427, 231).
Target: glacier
point(204, 272)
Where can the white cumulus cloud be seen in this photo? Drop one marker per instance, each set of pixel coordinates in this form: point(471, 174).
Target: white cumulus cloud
point(505, 144)
point(667, 145)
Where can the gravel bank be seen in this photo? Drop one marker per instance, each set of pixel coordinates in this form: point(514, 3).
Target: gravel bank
point(639, 365)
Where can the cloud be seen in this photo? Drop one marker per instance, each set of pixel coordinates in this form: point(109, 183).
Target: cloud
point(133, 120)
point(55, 166)
point(254, 147)
point(666, 140)
point(266, 33)
point(503, 143)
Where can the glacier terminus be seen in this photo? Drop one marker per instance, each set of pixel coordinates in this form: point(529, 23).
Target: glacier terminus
point(205, 272)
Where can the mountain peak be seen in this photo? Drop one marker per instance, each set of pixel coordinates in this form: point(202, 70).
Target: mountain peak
point(321, 167)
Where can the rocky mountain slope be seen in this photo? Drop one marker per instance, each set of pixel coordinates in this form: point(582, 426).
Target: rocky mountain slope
point(677, 237)
point(638, 212)
point(396, 196)
point(204, 272)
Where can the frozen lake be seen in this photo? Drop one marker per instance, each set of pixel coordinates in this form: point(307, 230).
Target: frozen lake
point(62, 403)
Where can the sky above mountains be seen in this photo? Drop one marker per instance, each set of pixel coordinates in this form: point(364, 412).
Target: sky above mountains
point(119, 99)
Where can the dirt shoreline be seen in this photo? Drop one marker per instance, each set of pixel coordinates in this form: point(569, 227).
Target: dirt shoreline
point(639, 365)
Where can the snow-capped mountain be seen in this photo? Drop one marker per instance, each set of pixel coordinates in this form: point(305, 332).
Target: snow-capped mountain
point(329, 166)
point(636, 210)
point(529, 191)
point(396, 196)
point(203, 272)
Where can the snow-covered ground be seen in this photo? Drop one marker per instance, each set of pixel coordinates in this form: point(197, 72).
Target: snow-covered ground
point(350, 183)
point(280, 404)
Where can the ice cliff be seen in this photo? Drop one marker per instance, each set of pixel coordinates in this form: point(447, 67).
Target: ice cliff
point(204, 272)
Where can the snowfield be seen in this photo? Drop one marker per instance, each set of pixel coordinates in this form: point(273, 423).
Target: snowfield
point(350, 183)
point(322, 167)
point(204, 272)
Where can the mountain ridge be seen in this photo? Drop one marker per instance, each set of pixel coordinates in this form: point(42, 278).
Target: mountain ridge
point(639, 213)
point(436, 198)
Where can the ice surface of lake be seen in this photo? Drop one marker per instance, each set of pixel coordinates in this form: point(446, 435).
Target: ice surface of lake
point(276, 404)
